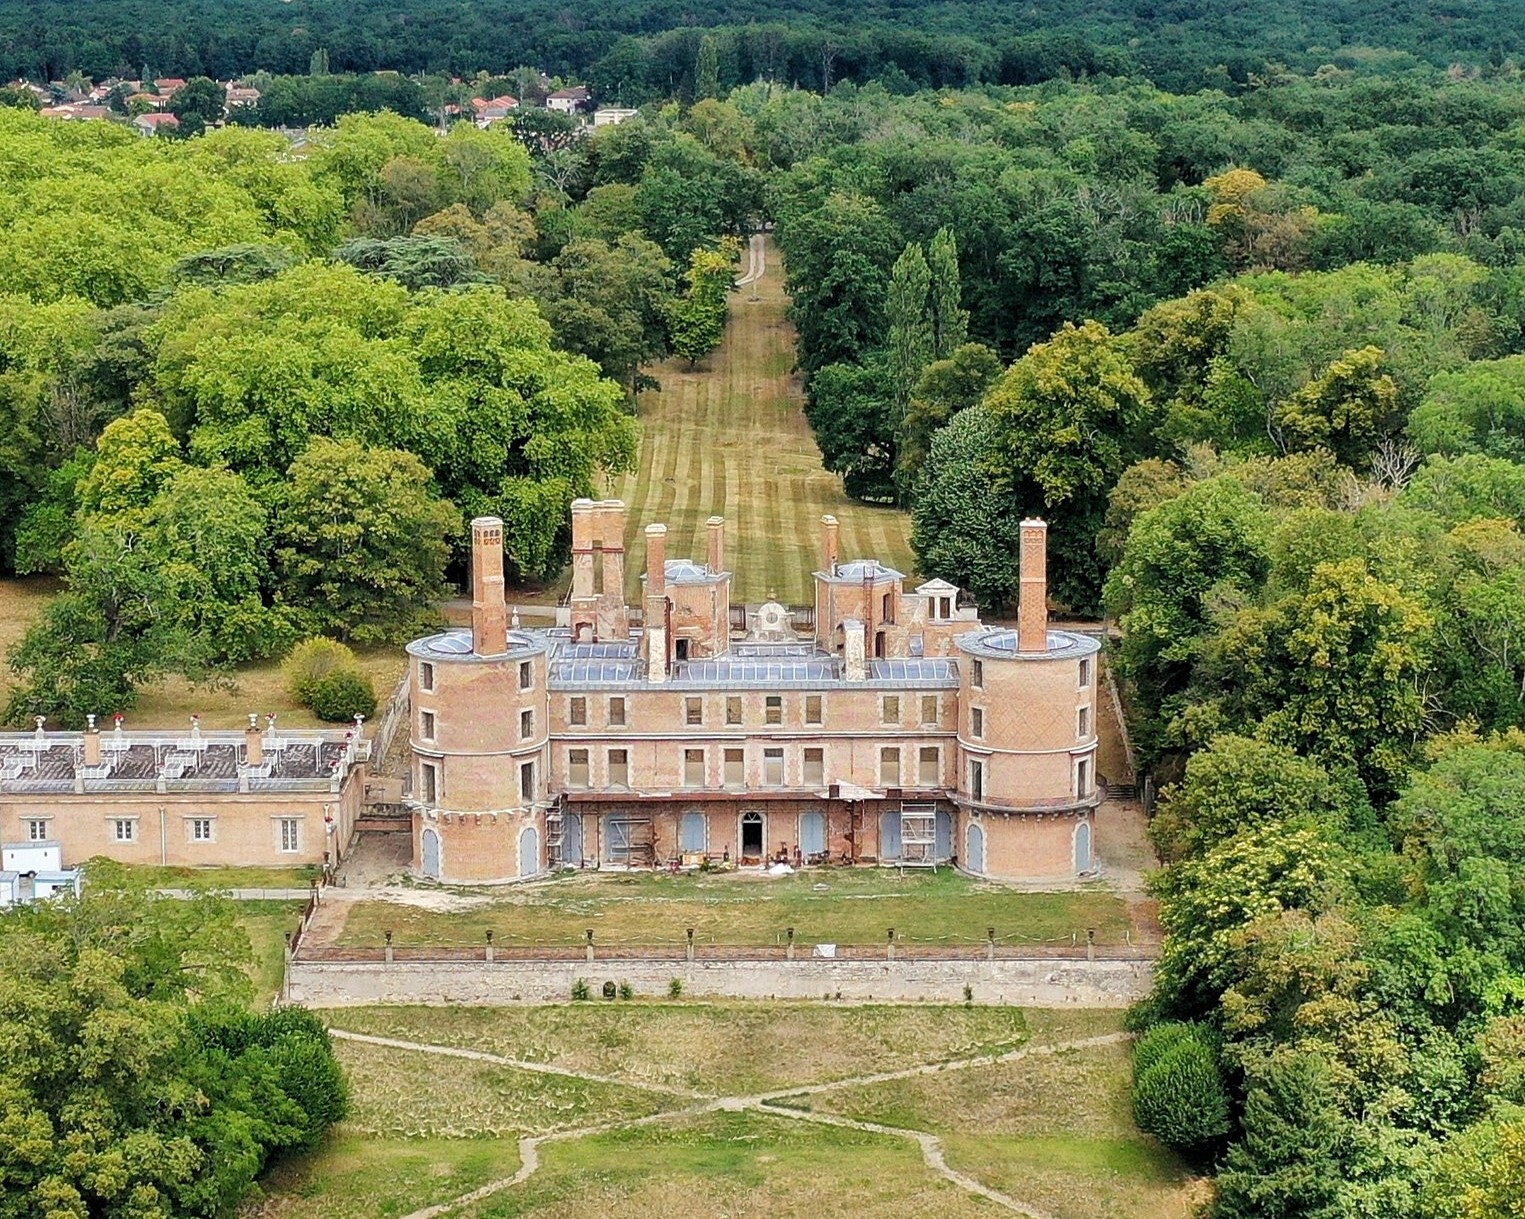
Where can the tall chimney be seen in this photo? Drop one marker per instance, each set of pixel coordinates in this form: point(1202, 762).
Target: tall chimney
point(656, 560)
point(582, 547)
point(717, 544)
point(829, 550)
point(92, 743)
point(489, 611)
point(654, 629)
point(1032, 603)
point(254, 744)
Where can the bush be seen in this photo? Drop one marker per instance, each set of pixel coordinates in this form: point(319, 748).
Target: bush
point(675, 989)
point(310, 662)
point(342, 695)
point(1158, 1042)
point(580, 990)
point(1178, 1093)
point(627, 991)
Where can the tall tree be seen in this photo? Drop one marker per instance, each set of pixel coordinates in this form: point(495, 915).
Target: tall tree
point(1070, 415)
point(910, 338)
point(949, 318)
point(363, 541)
point(707, 69)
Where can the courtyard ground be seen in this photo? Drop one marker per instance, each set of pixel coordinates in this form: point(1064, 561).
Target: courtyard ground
point(741, 1110)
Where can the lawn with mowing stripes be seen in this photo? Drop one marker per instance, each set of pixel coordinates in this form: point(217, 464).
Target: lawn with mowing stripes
point(729, 438)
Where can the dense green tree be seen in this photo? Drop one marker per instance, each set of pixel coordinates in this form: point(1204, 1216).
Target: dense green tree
point(1332, 672)
point(947, 387)
point(848, 410)
point(707, 69)
point(198, 104)
point(1185, 562)
point(1178, 1091)
point(1287, 1162)
point(1069, 414)
point(134, 1085)
point(362, 542)
point(1476, 409)
point(1347, 408)
point(949, 318)
point(909, 337)
point(963, 528)
point(1238, 782)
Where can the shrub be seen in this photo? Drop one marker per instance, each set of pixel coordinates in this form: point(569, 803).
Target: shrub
point(627, 991)
point(1158, 1042)
point(1178, 1095)
point(675, 989)
point(310, 662)
point(342, 695)
point(580, 990)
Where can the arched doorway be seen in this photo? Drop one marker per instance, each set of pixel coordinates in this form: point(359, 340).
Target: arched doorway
point(974, 848)
point(752, 836)
point(1083, 847)
point(430, 842)
point(529, 851)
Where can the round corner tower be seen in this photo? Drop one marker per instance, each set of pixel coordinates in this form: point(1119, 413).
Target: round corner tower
point(480, 723)
point(1027, 788)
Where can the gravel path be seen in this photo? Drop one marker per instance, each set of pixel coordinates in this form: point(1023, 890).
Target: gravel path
point(771, 1103)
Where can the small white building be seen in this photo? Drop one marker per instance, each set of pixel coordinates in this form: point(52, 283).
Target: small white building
point(612, 116)
point(31, 871)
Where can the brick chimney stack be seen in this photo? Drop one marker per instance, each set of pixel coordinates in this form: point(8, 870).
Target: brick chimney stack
point(489, 611)
point(254, 744)
point(654, 630)
point(716, 525)
point(92, 743)
point(830, 552)
point(1032, 603)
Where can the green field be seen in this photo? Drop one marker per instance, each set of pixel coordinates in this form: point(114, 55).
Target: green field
point(730, 438)
point(834, 906)
point(1049, 1130)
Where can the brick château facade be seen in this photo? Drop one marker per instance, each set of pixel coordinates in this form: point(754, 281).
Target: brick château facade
point(898, 729)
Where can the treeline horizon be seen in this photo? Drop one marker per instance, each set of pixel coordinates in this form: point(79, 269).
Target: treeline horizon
point(638, 52)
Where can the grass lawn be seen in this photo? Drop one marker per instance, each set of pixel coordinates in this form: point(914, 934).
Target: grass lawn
point(725, 1048)
point(842, 906)
point(359, 1176)
point(258, 688)
point(406, 1094)
point(730, 438)
point(267, 924)
point(1054, 1130)
point(223, 878)
point(736, 1165)
point(171, 703)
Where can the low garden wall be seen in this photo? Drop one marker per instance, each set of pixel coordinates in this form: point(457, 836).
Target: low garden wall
point(1025, 982)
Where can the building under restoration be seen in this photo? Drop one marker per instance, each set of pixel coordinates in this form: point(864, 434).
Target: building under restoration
point(896, 728)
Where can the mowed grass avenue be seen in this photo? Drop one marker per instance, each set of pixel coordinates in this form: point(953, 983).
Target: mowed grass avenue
point(729, 438)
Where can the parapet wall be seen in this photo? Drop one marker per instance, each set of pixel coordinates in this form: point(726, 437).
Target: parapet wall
point(1028, 983)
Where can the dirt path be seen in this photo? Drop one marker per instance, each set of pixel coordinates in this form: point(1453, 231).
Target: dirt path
point(770, 1103)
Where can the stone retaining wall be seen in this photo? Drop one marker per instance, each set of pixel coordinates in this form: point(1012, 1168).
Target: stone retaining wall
point(1029, 983)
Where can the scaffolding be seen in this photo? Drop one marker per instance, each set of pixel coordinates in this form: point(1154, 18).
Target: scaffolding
point(918, 835)
point(554, 830)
